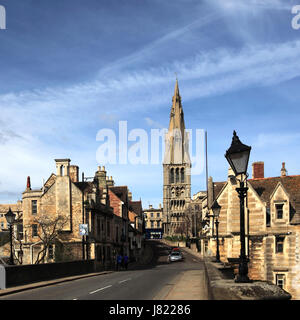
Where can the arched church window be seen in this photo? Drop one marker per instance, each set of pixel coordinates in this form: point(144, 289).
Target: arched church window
point(177, 174)
point(182, 174)
point(172, 175)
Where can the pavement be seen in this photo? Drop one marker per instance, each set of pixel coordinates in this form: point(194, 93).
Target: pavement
point(190, 285)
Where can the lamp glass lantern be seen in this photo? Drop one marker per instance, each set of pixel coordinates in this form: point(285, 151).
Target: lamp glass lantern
point(10, 217)
point(216, 208)
point(238, 155)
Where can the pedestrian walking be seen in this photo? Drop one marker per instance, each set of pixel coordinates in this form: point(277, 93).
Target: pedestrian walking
point(119, 261)
point(126, 261)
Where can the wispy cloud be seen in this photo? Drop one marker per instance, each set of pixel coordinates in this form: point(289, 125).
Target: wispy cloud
point(151, 48)
point(253, 5)
point(154, 124)
point(276, 139)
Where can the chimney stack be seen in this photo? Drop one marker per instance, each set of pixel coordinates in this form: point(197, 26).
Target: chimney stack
point(283, 170)
point(258, 171)
point(74, 173)
point(101, 177)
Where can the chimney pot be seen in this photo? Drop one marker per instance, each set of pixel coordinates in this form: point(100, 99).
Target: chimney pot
point(28, 183)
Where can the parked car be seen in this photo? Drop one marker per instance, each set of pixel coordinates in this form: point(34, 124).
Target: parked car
point(175, 256)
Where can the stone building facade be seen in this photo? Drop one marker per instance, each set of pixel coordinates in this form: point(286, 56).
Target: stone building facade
point(61, 206)
point(136, 229)
point(153, 222)
point(176, 170)
point(272, 224)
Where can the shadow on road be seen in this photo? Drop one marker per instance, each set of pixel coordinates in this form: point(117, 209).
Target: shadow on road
point(155, 253)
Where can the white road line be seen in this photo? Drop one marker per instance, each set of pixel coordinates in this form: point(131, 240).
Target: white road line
point(124, 280)
point(100, 289)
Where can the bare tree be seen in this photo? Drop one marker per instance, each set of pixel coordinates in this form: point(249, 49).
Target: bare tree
point(185, 226)
point(48, 231)
point(17, 243)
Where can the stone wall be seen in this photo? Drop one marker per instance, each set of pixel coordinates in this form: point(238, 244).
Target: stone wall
point(24, 274)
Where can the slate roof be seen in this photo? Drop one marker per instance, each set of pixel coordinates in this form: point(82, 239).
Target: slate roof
point(218, 186)
point(121, 192)
point(136, 207)
point(85, 186)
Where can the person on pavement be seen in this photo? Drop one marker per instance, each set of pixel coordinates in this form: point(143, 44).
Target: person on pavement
point(126, 261)
point(119, 261)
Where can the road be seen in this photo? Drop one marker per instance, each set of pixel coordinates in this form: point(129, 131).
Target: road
point(155, 281)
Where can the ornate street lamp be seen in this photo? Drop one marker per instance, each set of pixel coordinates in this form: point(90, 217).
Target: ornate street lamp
point(216, 208)
point(238, 156)
point(10, 218)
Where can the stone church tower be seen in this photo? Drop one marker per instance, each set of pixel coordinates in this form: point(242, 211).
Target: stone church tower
point(176, 171)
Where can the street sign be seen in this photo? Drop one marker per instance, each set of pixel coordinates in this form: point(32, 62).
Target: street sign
point(83, 229)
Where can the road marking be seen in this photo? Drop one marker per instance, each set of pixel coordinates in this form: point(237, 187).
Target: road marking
point(101, 289)
point(124, 280)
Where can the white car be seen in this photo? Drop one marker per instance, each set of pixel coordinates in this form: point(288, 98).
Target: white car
point(175, 256)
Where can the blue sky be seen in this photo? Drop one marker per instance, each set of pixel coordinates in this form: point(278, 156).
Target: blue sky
point(72, 68)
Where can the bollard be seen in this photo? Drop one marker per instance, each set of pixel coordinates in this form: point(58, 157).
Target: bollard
point(2, 277)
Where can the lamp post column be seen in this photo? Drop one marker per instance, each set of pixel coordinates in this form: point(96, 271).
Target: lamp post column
point(217, 231)
point(243, 264)
point(11, 245)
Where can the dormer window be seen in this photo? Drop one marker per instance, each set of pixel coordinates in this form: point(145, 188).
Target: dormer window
point(279, 210)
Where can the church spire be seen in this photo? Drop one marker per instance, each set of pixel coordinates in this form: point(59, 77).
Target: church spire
point(176, 92)
point(177, 140)
point(176, 118)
